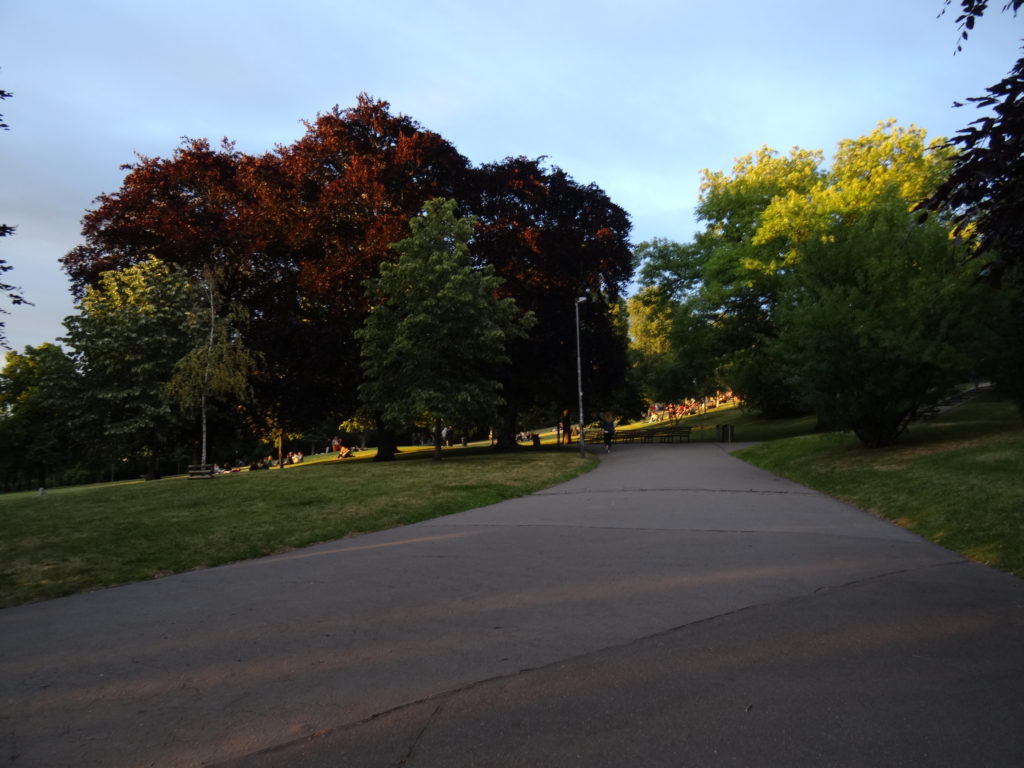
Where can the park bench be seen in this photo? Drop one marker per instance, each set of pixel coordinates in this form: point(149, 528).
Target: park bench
point(668, 434)
point(596, 436)
point(200, 471)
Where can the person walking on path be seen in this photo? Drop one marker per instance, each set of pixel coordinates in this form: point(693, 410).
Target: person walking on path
point(608, 426)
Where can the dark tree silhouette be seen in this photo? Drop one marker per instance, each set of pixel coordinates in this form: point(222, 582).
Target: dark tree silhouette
point(11, 292)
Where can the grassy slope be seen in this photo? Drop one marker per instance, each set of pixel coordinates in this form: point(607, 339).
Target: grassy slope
point(958, 480)
point(80, 538)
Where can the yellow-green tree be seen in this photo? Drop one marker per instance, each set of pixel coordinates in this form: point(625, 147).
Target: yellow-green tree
point(131, 330)
point(812, 277)
point(724, 283)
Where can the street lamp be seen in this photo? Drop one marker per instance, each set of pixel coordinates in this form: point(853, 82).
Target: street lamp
point(579, 367)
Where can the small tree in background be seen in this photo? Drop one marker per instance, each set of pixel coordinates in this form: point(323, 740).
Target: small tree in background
point(129, 334)
point(219, 365)
point(38, 398)
point(437, 332)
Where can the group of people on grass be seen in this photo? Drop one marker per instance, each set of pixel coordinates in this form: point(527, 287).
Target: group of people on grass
point(661, 411)
point(292, 457)
point(341, 449)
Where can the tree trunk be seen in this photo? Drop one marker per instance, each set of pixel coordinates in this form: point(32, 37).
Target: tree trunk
point(202, 406)
point(509, 416)
point(387, 445)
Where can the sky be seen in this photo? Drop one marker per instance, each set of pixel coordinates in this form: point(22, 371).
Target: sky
point(635, 96)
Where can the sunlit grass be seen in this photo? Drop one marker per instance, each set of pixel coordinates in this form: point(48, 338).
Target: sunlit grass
point(958, 481)
point(81, 538)
point(748, 426)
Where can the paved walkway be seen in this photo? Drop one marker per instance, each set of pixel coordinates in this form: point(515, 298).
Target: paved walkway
point(675, 607)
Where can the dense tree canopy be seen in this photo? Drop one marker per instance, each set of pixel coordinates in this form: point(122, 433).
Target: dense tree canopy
point(126, 341)
point(880, 317)
point(554, 240)
point(727, 282)
point(432, 343)
point(38, 398)
point(296, 232)
point(815, 288)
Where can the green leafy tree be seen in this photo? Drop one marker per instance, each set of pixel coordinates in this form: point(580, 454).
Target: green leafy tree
point(726, 284)
point(219, 365)
point(38, 393)
point(650, 322)
point(131, 330)
point(761, 220)
point(437, 330)
point(881, 317)
point(742, 275)
point(293, 233)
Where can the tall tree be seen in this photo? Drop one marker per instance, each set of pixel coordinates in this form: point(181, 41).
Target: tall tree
point(298, 230)
point(874, 312)
point(763, 220)
point(984, 194)
point(650, 322)
point(219, 365)
point(437, 331)
point(880, 317)
point(554, 240)
point(130, 332)
point(685, 361)
point(38, 394)
point(730, 280)
point(12, 293)
point(353, 182)
point(294, 234)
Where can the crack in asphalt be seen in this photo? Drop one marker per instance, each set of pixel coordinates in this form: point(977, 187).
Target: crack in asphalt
point(419, 737)
point(442, 696)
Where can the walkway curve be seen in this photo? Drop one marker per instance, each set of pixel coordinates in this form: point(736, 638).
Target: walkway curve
point(673, 607)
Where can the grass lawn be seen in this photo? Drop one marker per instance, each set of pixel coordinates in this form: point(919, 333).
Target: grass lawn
point(81, 538)
point(747, 426)
point(957, 480)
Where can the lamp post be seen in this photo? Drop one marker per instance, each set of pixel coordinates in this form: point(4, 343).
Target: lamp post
point(579, 368)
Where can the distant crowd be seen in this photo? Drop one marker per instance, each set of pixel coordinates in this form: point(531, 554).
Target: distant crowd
point(672, 411)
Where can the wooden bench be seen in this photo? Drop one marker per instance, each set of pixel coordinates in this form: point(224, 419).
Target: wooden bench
point(200, 471)
point(667, 435)
point(596, 437)
point(648, 435)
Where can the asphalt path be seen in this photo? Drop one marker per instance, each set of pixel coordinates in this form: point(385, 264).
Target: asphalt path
point(674, 607)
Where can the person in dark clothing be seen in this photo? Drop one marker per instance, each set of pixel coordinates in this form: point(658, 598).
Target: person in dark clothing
point(608, 427)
